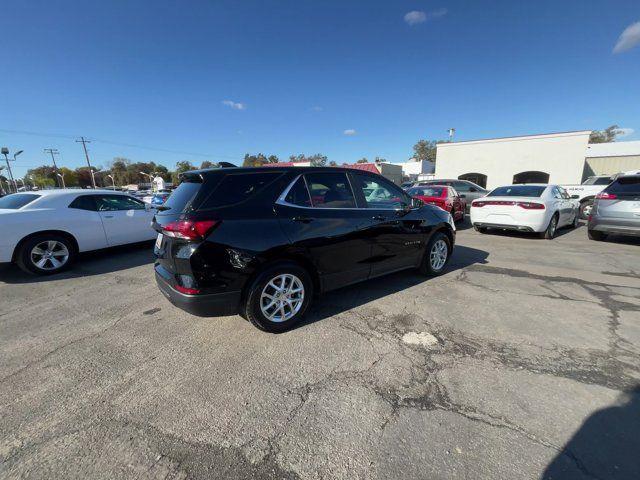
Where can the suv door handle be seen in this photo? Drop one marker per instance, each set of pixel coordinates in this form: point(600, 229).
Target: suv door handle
point(302, 219)
point(379, 217)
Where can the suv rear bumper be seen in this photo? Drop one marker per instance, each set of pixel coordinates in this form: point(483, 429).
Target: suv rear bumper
point(612, 225)
point(204, 305)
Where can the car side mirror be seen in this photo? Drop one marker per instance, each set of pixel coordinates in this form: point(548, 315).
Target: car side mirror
point(417, 203)
point(575, 197)
point(462, 195)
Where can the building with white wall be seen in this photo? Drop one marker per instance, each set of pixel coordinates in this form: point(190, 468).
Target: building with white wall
point(552, 157)
point(416, 170)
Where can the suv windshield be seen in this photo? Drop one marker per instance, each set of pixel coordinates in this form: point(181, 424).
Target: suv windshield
point(625, 186)
point(17, 200)
point(518, 191)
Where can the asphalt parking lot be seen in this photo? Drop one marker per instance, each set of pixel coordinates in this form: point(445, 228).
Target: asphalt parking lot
point(522, 361)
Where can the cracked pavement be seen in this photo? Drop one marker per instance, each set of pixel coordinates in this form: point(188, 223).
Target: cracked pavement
point(522, 361)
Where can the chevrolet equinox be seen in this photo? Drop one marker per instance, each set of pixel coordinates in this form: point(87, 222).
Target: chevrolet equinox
point(264, 241)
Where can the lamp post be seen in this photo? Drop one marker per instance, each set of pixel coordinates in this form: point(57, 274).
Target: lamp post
point(23, 185)
point(113, 182)
point(33, 180)
point(61, 178)
point(151, 177)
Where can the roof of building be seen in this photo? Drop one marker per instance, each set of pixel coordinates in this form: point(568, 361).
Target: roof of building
point(613, 149)
point(367, 167)
point(517, 138)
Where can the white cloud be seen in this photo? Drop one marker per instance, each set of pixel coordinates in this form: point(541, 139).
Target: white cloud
point(234, 105)
point(415, 17)
point(625, 132)
point(629, 38)
point(350, 132)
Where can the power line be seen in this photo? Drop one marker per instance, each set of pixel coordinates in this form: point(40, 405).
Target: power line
point(109, 142)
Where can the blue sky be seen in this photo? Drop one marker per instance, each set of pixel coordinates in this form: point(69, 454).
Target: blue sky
point(214, 80)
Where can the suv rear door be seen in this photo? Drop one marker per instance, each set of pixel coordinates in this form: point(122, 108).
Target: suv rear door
point(319, 215)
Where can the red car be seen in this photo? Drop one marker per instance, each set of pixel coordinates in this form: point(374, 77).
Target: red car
point(443, 196)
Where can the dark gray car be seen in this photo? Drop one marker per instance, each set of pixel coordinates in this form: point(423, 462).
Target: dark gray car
point(467, 190)
point(617, 209)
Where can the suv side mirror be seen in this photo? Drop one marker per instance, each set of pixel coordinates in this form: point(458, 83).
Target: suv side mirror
point(416, 203)
point(462, 195)
point(575, 197)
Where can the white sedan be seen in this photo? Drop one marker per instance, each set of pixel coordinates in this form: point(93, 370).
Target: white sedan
point(43, 231)
point(537, 208)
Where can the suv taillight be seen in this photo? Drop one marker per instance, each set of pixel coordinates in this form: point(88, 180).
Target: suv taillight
point(606, 196)
point(189, 229)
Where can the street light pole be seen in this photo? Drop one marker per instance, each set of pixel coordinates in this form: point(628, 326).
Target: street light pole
point(86, 154)
point(113, 182)
point(62, 178)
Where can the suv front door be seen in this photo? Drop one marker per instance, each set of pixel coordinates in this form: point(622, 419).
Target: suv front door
point(396, 235)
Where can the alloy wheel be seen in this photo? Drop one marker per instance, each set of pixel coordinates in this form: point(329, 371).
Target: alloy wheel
point(49, 255)
point(282, 297)
point(438, 255)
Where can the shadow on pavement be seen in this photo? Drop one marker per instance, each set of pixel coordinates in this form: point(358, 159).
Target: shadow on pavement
point(348, 298)
point(606, 446)
point(96, 262)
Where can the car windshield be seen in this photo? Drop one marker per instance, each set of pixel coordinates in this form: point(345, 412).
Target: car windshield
point(17, 200)
point(624, 186)
point(426, 191)
point(518, 191)
point(597, 181)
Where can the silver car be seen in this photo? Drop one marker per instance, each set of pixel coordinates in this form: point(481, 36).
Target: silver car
point(617, 209)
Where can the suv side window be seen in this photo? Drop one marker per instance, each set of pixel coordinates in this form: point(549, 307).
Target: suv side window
point(330, 190)
point(110, 203)
point(380, 193)
point(84, 202)
point(299, 194)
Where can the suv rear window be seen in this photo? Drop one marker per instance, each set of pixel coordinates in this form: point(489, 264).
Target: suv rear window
point(181, 197)
point(17, 200)
point(237, 187)
point(625, 186)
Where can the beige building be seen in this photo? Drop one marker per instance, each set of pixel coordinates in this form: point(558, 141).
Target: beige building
point(610, 158)
point(546, 158)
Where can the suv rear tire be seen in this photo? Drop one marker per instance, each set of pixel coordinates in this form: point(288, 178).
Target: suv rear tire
point(283, 288)
point(596, 235)
point(45, 254)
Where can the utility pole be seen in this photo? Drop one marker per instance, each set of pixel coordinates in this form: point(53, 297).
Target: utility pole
point(86, 154)
point(5, 152)
point(53, 152)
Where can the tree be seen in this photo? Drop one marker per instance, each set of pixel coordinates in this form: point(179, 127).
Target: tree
point(605, 136)
point(207, 164)
point(363, 160)
point(70, 177)
point(426, 150)
point(380, 160)
point(181, 167)
point(333, 164)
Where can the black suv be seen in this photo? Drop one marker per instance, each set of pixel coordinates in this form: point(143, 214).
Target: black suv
point(263, 241)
